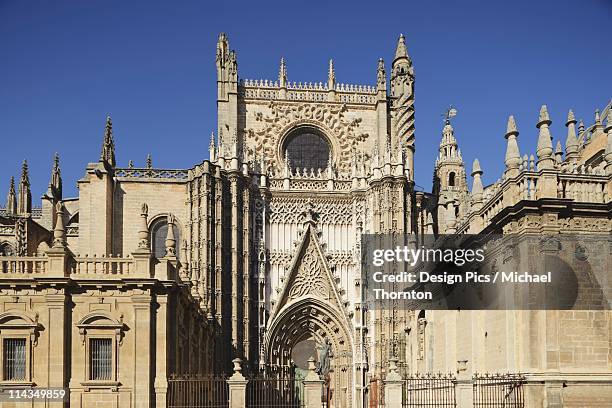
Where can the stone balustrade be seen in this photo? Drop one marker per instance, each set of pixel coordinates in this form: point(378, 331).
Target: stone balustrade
point(23, 265)
point(102, 265)
point(77, 267)
point(584, 185)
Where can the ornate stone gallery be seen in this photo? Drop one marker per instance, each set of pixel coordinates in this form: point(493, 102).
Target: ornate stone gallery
point(255, 253)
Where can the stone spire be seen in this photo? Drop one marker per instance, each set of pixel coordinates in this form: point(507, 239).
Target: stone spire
point(108, 145)
point(400, 50)
point(331, 76)
point(544, 149)
point(477, 188)
point(571, 142)
point(608, 152)
point(55, 185)
point(381, 76)
point(212, 149)
point(11, 198)
point(513, 156)
point(402, 73)
point(282, 74)
point(598, 124)
point(24, 199)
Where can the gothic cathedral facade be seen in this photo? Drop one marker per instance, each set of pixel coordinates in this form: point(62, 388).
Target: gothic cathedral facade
point(255, 253)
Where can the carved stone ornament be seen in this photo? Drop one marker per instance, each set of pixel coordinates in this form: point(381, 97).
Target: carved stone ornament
point(343, 132)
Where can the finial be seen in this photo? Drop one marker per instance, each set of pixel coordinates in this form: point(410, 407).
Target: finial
point(511, 127)
point(544, 149)
point(170, 239)
point(25, 179)
point(544, 118)
point(56, 178)
point(558, 148)
point(59, 234)
point(11, 198)
point(149, 161)
point(282, 74)
point(570, 117)
point(143, 232)
point(571, 142)
point(597, 117)
point(513, 156)
point(24, 200)
point(400, 49)
point(130, 164)
point(331, 76)
point(381, 76)
point(12, 185)
point(476, 168)
point(108, 144)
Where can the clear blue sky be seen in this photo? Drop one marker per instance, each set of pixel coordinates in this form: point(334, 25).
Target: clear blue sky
point(65, 64)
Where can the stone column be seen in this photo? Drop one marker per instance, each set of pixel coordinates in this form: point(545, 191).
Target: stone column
point(58, 348)
point(313, 387)
point(142, 344)
point(237, 386)
point(465, 387)
point(161, 351)
point(393, 385)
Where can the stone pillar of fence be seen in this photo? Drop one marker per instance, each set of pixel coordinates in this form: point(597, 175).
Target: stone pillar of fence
point(237, 386)
point(465, 386)
point(313, 387)
point(393, 385)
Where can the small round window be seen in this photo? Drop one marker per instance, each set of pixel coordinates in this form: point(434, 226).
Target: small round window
point(306, 147)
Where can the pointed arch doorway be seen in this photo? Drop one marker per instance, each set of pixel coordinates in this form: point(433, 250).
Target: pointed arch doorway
point(294, 337)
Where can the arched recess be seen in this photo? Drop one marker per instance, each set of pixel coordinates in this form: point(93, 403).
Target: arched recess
point(312, 318)
point(6, 249)
point(158, 228)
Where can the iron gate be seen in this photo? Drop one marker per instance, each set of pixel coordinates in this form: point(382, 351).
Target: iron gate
point(499, 390)
point(430, 390)
point(197, 391)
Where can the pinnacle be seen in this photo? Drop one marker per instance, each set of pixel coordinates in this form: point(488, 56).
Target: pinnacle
point(558, 149)
point(511, 128)
point(24, 172)
point(476, 167)
point(571, 117)
point(400, 50)
point(544, 117)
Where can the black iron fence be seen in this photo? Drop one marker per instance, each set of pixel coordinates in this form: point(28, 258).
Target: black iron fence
point(198, 391)
point(430, 390)
point(499, 390)
point(275, 391)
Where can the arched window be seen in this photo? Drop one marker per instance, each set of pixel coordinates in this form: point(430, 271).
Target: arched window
point(306, 147)
point(451, 178)
point(6, 249)
point(159, 233)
